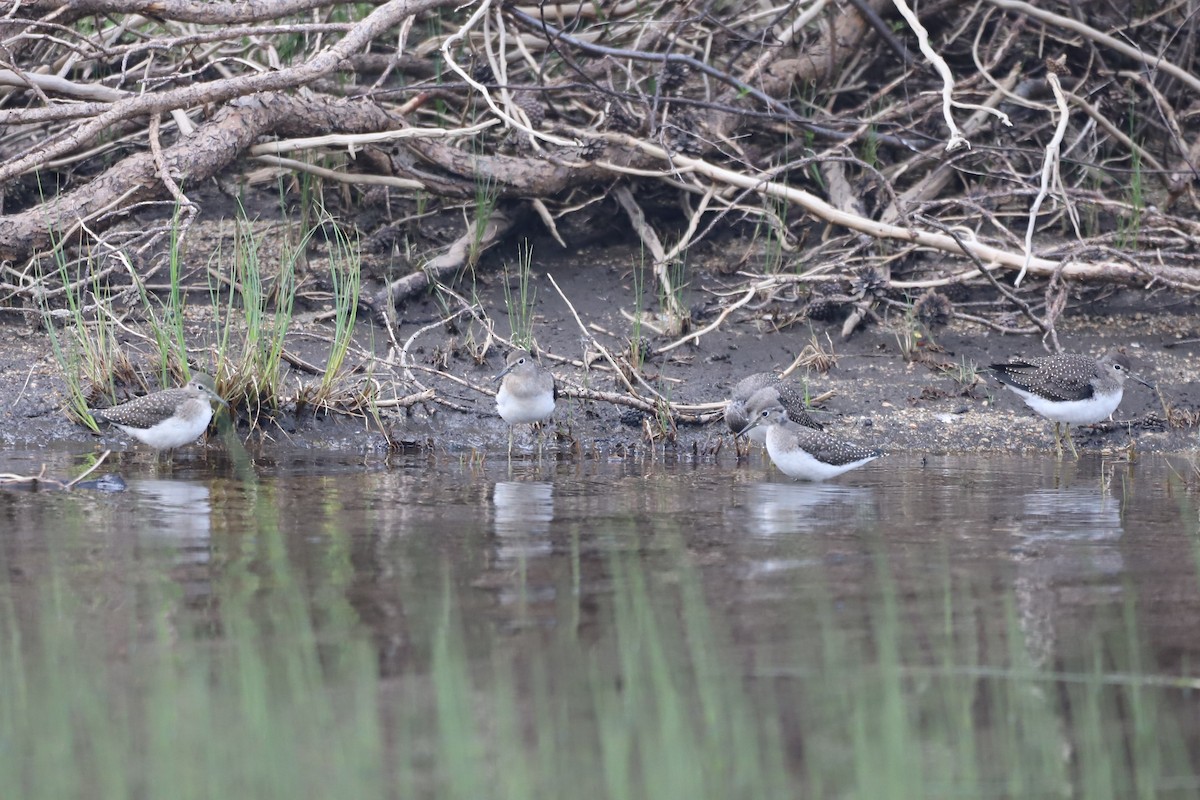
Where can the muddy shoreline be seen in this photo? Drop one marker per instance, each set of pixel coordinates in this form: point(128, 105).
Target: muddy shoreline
point(872, 394)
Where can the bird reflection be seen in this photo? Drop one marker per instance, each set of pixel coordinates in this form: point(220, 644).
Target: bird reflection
point(173, 511)
point(786, 508)
point(179, 514)
point(523, 512)
point(522, 577)
point(1069, 559)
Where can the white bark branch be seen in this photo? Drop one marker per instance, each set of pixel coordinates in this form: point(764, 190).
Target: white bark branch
point(956, 140)
point(1049, 169)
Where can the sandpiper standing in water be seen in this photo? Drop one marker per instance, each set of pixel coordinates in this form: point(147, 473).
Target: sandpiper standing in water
point(1069, 389)
point(527, 392)
point(798, 451)
point(167, 419)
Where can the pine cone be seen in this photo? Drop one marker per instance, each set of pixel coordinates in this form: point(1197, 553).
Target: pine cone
point(532, 106)
point(674, 74)
point(933, 309)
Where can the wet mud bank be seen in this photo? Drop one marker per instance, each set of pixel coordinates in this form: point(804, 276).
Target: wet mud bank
point(889, 384)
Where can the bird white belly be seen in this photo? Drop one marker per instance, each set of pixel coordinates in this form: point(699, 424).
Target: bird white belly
point(796, 463)
point(1072, 412)
point(172, 432)
point(523, 410)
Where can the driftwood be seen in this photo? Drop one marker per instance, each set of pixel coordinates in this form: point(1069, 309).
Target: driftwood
point(203, 155)
point(1078, 167)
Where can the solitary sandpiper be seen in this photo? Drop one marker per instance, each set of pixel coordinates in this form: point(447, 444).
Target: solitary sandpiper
point(801, 452)
point(527, 391)
point(744, 393)
point(1069, 389)
point(166, 419)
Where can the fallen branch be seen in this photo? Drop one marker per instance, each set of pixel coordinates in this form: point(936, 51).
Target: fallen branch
point(453, 259)
point(191, 160)
point(691, 415)
point(1107, 270)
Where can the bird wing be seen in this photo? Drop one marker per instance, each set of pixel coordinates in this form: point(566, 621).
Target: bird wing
point(831, 450)
point(797, 409)
point(1069, 384)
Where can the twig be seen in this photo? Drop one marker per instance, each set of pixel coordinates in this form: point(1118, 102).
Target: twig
point(69, 484)
point(770, 102)
point(408, 401)
point(637, 219)
point(595, 342)
point(1049, 168)
point(508, 119)
point(11, 477)
point(956, 139)
point(699, 414)
point(498, 222)
point(1075, 270)
point(355, 141)
point(354, 178)
point(695, 335)
point(404, 365)
point(1151, 60)
point(1026, 309)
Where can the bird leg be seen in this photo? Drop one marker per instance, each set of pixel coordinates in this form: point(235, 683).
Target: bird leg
point(737, 447)
point(1071, 442)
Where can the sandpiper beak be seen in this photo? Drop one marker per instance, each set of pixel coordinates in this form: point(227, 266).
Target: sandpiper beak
point(1143, 382)
point(214, 396)
point(503, 372)
point(749, 426)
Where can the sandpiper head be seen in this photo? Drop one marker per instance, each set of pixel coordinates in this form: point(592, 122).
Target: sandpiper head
point(516, 360)
point(1118, 365)
point(206, 386)
point(765, 408)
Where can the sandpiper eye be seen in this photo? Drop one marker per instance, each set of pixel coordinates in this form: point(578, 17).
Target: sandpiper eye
point(766, 412)
point(520, 361)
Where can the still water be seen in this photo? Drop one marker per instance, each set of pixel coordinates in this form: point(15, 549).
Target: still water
point(967, 626)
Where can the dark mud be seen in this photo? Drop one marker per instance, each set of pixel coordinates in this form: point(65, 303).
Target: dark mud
point(872, 393)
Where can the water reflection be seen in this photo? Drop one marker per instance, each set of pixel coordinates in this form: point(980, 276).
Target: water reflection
point(605, 588)
point(177, 514)
point(522, 514)
point(173, 509)
point(523, 511)
point(1068, 560)
point(791, 508)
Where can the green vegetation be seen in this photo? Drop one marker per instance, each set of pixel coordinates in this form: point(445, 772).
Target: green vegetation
point(85, 350)
point(251, 321)
point(165, 319)
point(771, 227)
point(1130, 224)
point(250, 318)
point(345, 275)
point(520, 306)
point(487, 195)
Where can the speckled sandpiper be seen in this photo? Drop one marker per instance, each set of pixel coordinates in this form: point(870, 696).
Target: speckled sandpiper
point(1068, 388)
point(167, 419)
point(744, 393)
point(527, 391)
point(800, 452)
